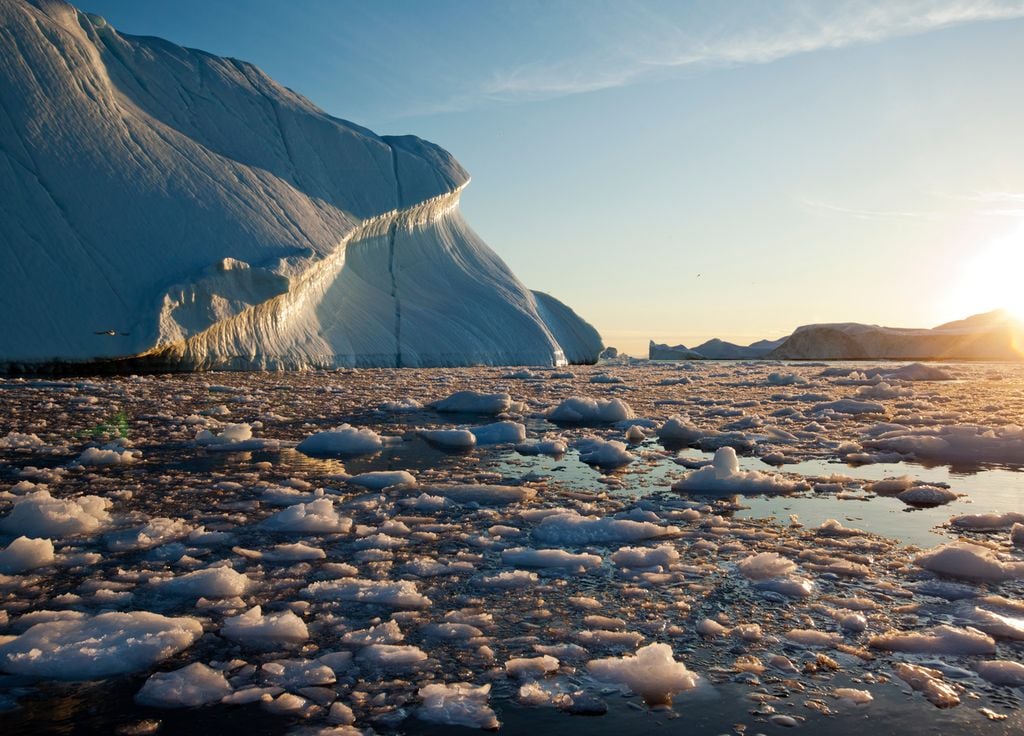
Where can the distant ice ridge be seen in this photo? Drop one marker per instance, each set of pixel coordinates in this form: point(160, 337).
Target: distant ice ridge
point(175, 209)
point(991, 336)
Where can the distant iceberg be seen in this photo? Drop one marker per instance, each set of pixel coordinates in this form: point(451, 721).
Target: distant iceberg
point(990, 336)
point(713, 349)
point(166, 208)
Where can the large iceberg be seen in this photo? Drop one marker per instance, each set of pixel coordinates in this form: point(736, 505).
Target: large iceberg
point(991, 336)
point(161, 207)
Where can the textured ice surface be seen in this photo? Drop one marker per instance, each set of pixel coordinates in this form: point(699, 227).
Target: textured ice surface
point(98, 646)
point(25, 554)
point(653, 673)
point(38, 514)
point(271, 630)
point(332, 592)
point(458, 704)
point(343, 440)
point(192, 685)
point(970, 561)
point(723, 475)
point(580, 409)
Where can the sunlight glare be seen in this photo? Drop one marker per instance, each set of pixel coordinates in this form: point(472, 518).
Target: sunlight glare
point(993, 278)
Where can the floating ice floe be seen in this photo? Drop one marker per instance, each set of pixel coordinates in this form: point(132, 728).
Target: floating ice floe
point(919, 372)
point(849, 406)
point(531, 667)
point(21, 441)
point(852, 695)
point(680, 429)
point(401, 406)
point(930, 683)
point(941, 639)
point(785, 379)
point(1001, 672)
point(569, 527)
point(191, 686)
point(296, 674)
point(525, 557)
point(1017, 535)
point(499, 433)
point(455, 439)
point(213, 582)
point(379, 479)
point(294, 552)
point(542, 447)
point(318, 516)
point(509, 580)
point(988, 522)
point(342, 440)
point(38, 514)
point(234, 438)
point(661, 556)
point(970, 562)
point(155, 532)
point(394, 593)
point(93, 647)
point(483, 494)
point(652, 673)
point(603, 453)
point(765, 566)
point(724, 476)
point(24, 554)
point(256, 629)
point(457, 704)
point(926, 496)
point(579, 410)
point(391, 657)
point(95, 456)
point(387, 632)
point(474, 402)
point(813, 637)
point(956, 444)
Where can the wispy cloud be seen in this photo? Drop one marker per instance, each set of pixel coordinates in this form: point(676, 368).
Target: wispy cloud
point(993, 203)
point(648, 43)
point(870, 214)
point(978, 204)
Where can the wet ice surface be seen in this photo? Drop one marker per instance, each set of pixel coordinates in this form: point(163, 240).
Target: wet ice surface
point(166, 534)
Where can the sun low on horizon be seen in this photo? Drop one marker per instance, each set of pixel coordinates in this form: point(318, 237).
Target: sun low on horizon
point(991, 277)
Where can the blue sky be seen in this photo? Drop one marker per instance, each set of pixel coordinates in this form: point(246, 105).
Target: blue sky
point(685, 170)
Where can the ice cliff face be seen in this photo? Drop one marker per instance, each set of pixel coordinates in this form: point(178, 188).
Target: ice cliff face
point(208, 217)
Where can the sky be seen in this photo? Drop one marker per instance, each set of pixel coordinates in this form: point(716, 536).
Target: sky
point(684, 170)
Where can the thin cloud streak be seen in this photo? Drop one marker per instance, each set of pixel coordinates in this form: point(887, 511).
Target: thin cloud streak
point(999, 204)
point(866, 214)
point(664, 47)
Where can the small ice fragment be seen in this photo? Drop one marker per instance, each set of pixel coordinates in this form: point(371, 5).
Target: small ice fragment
point(191, 686)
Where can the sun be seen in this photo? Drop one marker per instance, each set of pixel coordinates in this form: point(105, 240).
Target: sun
point(993, 278)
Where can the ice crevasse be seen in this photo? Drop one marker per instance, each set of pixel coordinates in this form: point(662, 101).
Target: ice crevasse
point(163, 207)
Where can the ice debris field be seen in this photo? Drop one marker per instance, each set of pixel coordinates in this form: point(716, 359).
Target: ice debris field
point(716, 548)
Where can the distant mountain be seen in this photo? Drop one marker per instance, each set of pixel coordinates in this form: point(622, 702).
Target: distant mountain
point(162, 207)
point(713, 349)
point(994, 335)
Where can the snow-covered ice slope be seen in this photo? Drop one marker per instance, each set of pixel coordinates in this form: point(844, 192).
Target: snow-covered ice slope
point(210, 218)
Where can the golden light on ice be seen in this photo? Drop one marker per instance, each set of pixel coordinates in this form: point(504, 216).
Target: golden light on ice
point(993, 277)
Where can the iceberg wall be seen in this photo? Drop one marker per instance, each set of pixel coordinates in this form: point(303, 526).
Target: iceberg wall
point(165, 208)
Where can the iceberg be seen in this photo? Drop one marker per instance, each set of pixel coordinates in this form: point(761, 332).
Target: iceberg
point(168, 209)
point(989, 336)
